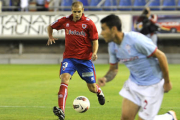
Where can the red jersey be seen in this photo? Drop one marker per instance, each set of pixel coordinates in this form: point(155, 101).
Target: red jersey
point(78, 36)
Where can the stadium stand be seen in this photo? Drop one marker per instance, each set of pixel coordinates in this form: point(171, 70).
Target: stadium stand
point(178, 5)
point(85, 3)
point(14, 4)
point(125, 3)
point(169, 5)
point(94, 4)
point(100, 5)
point(66, 3)
point(139, 3)
point(154, 3)
point(0, 6)
point(110, 3)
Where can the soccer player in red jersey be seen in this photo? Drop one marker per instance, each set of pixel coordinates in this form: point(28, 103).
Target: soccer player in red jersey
point(80, 32)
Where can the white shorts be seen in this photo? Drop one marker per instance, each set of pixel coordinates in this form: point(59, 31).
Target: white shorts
point(149, 98)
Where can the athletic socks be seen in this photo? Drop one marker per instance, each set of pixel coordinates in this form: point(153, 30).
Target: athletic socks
point(63, 92)
point(62, 96)
point(98, 89)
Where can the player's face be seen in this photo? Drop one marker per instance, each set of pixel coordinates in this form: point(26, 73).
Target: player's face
point(106, 33)
point(77, 13)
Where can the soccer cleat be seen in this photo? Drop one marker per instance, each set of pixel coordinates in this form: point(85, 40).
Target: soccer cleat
point(171, 112)
point(101, 98)
point(59, 112)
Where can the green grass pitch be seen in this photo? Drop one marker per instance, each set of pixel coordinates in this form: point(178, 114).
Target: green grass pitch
point(29, 92)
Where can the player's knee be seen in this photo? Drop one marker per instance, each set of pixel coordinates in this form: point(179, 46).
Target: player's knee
point(65, 79)
point(126, 117)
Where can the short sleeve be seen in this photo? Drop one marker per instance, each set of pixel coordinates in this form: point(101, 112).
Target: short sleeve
point(58, 24)
point(112, 56)
point(93, 33)
point(145, 45)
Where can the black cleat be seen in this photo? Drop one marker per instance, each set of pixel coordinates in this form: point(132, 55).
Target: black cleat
point(59, 112)
point(101, 98)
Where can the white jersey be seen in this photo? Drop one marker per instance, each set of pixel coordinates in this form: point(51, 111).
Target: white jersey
point(135, 51)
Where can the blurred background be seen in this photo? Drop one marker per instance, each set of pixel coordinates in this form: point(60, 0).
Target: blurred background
point(23, 23)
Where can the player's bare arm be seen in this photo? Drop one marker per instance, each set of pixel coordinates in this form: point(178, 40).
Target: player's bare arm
point(112, 72)
point(95, 49)
point(51, 39)
point(164, 67)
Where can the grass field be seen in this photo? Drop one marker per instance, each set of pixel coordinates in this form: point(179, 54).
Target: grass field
point(28, 92)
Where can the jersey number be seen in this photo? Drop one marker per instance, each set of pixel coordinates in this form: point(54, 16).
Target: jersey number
point(65, 64)
point(145, 101)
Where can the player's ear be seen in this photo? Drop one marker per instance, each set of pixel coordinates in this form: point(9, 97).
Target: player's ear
point(114, 28)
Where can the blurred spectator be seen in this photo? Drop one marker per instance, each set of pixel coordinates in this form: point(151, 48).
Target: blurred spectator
point(24, 5)
point(42, 5)
point(15, 4)
point(1, 5)
point(54, 5)
point(146, 24)
point(5, 3)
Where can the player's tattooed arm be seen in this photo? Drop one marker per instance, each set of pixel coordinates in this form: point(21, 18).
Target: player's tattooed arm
point(112, 72)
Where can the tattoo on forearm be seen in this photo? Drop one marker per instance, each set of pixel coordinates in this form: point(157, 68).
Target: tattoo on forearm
point(110, 75)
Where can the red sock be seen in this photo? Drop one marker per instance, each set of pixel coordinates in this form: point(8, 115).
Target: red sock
point(62, 96)
point(98, 89)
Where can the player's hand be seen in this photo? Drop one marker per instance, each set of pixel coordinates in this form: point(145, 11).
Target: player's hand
point(102, 81)
point(167, 87)
point(94, 57)
point(51, 40)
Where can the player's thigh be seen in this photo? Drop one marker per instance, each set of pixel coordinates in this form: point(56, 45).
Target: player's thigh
point(67, 66)
point(150, 105)
point(86, 71)
point(140, 118)
point(129, 110)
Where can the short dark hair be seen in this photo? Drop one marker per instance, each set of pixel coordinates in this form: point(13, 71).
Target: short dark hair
point(145, 12)
point(112, 20)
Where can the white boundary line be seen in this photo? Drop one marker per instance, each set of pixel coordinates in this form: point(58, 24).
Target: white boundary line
point(24, 107)
point(43, 107)
point(71, 107)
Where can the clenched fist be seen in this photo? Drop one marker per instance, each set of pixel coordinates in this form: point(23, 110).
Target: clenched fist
point(102, 81)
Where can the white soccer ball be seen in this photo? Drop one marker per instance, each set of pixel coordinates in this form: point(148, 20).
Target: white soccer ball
point(81, 104)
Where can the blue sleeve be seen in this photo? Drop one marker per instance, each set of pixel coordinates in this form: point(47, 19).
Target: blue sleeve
point(144, 45)
point(112, 56)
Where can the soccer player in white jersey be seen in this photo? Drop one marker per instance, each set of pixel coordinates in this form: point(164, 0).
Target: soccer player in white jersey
point(149, 75)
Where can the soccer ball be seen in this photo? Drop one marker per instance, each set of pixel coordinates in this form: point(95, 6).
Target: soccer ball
point(81, 104)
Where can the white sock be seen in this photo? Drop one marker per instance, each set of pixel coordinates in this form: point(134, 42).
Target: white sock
point(165, 116)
